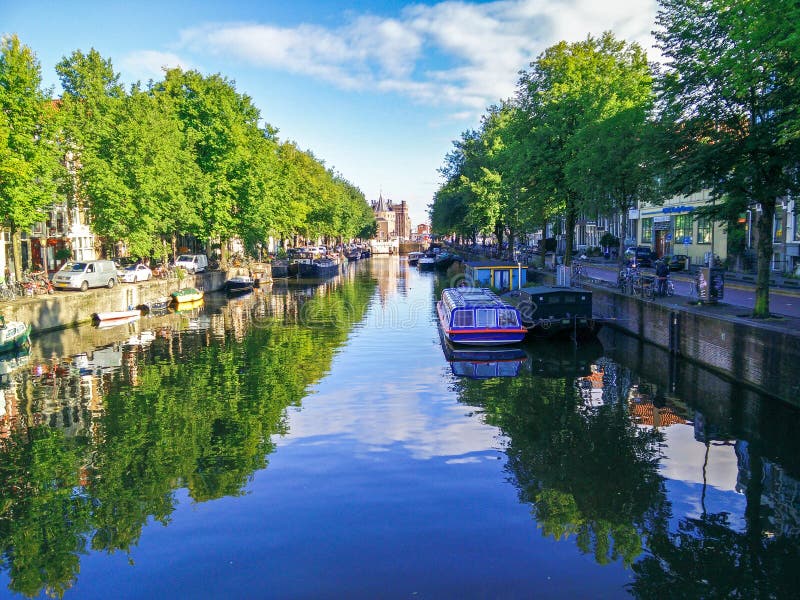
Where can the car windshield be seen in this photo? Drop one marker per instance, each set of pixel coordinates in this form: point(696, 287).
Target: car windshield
point(185, 258)
point(77, 266)
point(132, 268)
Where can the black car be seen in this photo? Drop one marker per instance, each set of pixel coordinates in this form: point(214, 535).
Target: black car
point(643, 255)
point(677, 262)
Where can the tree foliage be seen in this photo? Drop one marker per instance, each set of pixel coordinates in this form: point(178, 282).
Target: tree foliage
point(729, 105)
point(188, 155)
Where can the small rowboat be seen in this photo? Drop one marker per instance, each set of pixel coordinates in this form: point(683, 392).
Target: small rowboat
point(187, 295)
point(117, 317)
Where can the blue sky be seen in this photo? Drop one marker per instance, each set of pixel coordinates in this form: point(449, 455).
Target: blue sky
point(377, 89)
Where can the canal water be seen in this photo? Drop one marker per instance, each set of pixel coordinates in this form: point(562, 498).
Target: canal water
point(318, 441)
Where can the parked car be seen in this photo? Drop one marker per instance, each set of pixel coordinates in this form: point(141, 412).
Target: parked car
point(677, 262)
point(643, 255)
point(193, 263)
point(134, 273)
point(82, 275)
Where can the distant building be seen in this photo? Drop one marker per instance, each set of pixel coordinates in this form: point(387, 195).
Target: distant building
point(393, 220)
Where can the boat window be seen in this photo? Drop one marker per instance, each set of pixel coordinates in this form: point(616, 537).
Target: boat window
point(554, 299)
point(485, 317)
point(507, 318)
point(463, 318)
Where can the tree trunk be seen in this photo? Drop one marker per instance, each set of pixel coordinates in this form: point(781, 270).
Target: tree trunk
point(572, 218)
point(16, 249)
point(623, 234)
point(765, 221)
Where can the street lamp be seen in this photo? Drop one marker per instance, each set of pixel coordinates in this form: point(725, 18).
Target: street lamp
point(258, 245)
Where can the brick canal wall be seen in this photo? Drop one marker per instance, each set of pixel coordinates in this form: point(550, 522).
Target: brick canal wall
point(762, 355)
point(66, 309)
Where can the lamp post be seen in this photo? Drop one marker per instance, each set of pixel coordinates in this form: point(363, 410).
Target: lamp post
point(258, 245)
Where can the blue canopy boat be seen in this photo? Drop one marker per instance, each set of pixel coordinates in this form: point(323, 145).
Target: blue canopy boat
point(478, 317)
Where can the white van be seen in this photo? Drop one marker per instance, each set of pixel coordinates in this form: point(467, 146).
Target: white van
point(82, 275)
point(193, 263)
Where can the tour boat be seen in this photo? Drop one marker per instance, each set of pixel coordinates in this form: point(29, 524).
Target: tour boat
point(187, 295)
point(413, 257)
point(476, 316)
point(13, 334)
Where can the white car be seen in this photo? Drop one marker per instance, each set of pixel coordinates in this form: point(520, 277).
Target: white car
point(134, 273)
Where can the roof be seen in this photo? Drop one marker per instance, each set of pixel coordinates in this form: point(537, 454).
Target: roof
point(473, 297)
point(492, 263)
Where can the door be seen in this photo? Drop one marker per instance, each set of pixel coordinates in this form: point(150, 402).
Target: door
point(662, 246)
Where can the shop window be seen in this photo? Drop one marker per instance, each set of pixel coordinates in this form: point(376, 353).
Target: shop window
point(647, 230)
point(704, 230)
point(683, 227)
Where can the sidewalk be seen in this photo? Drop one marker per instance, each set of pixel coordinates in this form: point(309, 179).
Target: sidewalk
point(748, 280)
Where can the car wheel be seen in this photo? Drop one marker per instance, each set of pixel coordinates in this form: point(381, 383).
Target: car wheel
point(84, 286)
point(111, 283)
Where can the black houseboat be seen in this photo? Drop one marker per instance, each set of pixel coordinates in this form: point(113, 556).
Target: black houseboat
point(547, 310)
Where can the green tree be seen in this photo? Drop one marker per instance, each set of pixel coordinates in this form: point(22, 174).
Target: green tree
point(29, 167)
point(729, 98)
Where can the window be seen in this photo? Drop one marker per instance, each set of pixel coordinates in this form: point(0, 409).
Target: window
point(507, 318)
point(796, 223)
point(778, 231)
point(683, 228)
point(485, 317)
point(647, 230)
point(703, 230)
point(464, 318)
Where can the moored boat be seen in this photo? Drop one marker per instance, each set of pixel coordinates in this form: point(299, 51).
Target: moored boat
point(240, 284)
point(13, 334)
point(426, 262)
point(478, 317)
point(280, 268)
point(115, 316)
point(413, 257)
point(187, 295)
point(155, 304)
point(549, 310)
point(324, 267)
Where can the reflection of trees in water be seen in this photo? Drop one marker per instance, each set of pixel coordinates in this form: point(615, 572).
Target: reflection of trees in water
point(591, 474)
point(201, 417)
point(705, 557)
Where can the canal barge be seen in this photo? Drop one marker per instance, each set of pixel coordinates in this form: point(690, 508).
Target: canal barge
point(550, 310)
point(478, 317)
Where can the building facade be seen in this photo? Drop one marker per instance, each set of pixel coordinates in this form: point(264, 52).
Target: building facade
point(673, 228)
point(393, 220)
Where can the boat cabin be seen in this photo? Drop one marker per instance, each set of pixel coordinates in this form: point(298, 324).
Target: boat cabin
point(549, 310)
point(496, 274)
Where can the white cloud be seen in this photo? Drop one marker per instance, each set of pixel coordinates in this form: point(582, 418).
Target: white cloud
point(149, 64)
point(457, 54)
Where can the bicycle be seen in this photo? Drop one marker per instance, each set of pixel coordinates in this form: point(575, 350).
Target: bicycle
point(665, 287)
point(7, 292)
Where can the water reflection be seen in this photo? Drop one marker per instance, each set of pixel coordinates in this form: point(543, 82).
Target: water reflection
point(680, 482)
point(95, 443)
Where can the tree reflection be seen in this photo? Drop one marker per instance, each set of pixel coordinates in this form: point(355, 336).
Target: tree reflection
point(587, 471)
point(203, 420)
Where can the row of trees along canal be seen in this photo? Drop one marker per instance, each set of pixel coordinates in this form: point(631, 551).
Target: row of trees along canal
point(594, 129)
point(186, 411)
point(186, 155)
